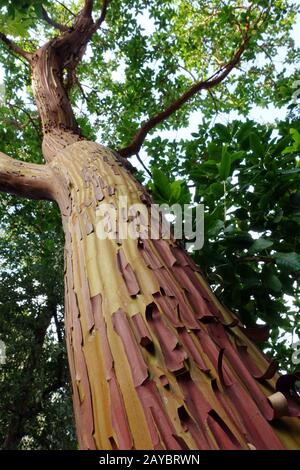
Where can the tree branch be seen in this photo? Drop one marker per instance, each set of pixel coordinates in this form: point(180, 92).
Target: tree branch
point(143, 165)
point(72, 43)
point(138, 139)
point(15, 48)
point(66, 8)
point(88, 8)
point(100, 20)
point(55, 24)
point(25, 179)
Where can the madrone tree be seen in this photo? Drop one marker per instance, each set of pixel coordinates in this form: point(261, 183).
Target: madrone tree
point(156, 361)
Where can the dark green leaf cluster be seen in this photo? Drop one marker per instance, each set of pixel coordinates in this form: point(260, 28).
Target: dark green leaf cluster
point(248, 178)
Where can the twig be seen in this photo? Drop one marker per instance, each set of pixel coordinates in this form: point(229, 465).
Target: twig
point(66, 8)
point(29, 117)
point(55, 24)
point(143, 165)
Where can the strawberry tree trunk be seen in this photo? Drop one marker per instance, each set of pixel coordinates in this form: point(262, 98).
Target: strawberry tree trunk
point(156, 361)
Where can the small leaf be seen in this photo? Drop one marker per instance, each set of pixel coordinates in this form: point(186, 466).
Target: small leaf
point(225, 165)
point(289, 261)
point(175, 191)
point(259, 245)
point(270, 280)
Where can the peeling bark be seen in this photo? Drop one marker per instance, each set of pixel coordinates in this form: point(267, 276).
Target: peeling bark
point(156, 361)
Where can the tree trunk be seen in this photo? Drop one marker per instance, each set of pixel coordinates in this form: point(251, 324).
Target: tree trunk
point(156, 362)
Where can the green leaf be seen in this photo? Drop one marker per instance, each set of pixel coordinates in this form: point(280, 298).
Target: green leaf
point(215, 228)
point(270, 280)
point(289, 261)
point(161, 183)
point(214, 150)
point(296, 145)
point(237, 155)
point(175, 191)
point(255, 144)
point(216, 189)
point(225, 165)
point(223, 132)
point(259, 245)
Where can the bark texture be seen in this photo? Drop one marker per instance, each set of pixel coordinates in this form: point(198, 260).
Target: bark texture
point(156, 361)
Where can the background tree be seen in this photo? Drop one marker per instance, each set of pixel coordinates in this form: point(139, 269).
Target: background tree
point(117, 107)
point(35, 409)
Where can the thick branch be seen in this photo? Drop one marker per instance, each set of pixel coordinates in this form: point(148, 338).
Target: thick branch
point(138, 139)
point(25, 179)
point(15, 48)
point(72, 43)
point(55, 24)
point(88, 7)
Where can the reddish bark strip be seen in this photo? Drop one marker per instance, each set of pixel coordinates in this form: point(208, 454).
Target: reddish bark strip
point(143, 335)
point(138, 366)
point(127, 273)
point(173, 353)
point(162, 431)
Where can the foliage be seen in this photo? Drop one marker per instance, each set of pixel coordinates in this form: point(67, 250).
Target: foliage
point(35, 409)
point(248, 178)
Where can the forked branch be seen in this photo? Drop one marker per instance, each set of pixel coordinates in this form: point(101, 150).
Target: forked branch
point(136, 143)
point(138, 139)
point(72, 43)
point(102, 16)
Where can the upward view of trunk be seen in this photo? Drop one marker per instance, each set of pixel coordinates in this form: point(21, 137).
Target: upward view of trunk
point(156, 361)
